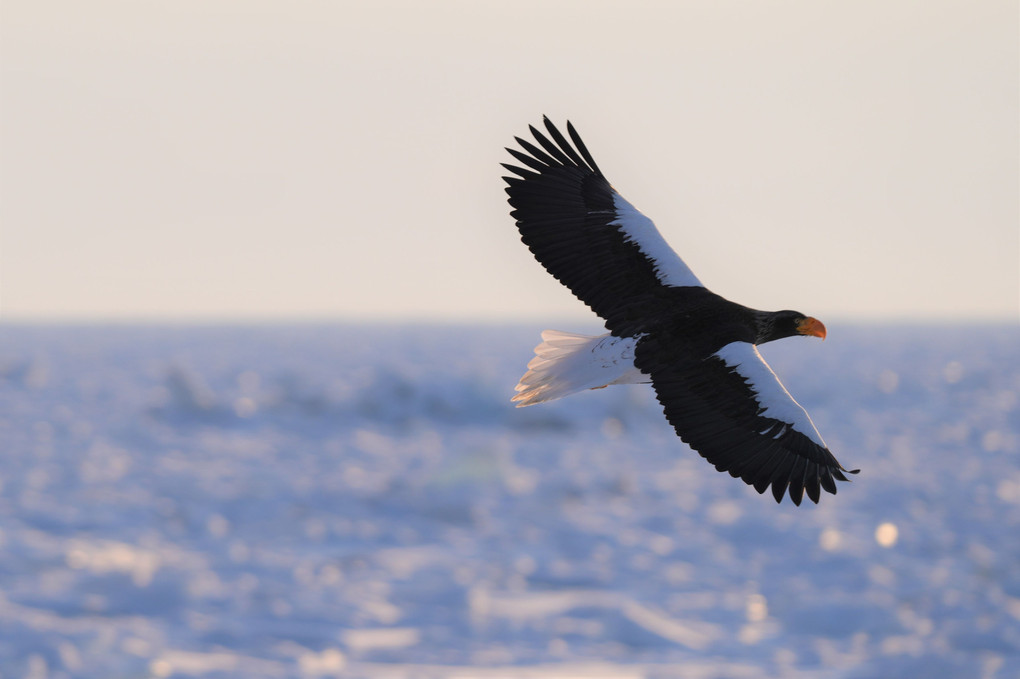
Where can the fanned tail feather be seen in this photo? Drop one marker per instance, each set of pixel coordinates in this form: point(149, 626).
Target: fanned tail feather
point(566, 363)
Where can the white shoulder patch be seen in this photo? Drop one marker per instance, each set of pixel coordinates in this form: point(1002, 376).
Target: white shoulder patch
point(775, 401)
point(637, 228)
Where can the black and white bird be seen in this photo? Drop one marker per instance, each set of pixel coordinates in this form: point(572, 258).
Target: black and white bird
point(698, 350)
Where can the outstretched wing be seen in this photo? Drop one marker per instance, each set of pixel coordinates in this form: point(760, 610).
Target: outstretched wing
point(733, 410)
point(585, 234)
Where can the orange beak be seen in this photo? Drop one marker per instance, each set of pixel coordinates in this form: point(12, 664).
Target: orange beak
point(811, 326)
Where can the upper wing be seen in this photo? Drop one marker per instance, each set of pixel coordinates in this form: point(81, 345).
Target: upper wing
point(733, 410)
point(585, 234)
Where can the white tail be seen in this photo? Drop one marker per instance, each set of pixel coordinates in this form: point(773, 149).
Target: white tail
point(566, 363)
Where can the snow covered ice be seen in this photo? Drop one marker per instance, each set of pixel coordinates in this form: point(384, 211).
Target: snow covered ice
point(365, 501)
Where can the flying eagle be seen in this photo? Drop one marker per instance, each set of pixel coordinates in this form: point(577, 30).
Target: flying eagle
point(698, 350)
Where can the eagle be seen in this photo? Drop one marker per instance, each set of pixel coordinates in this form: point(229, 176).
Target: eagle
point(698, 350)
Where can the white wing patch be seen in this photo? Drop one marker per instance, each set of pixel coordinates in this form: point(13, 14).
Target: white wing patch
point(770, 393)
point(638, 229)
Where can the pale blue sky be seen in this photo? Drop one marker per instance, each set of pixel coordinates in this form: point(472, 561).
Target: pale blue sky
point(330, 160)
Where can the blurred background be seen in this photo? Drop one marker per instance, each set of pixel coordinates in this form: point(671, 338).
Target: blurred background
point(262, 309)
point(325, 160)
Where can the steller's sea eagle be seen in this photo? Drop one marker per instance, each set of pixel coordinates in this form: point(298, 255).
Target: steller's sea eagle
point(698, 350)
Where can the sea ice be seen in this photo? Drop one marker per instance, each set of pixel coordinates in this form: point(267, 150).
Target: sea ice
point(365, 501)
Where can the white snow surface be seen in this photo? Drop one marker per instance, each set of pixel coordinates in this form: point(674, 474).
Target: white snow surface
point(639, 229)
point(365, 501)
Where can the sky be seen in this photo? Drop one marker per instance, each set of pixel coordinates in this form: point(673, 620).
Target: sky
point(253, 160)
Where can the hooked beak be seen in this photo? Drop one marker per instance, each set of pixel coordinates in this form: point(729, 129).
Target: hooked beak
point(811, 326)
